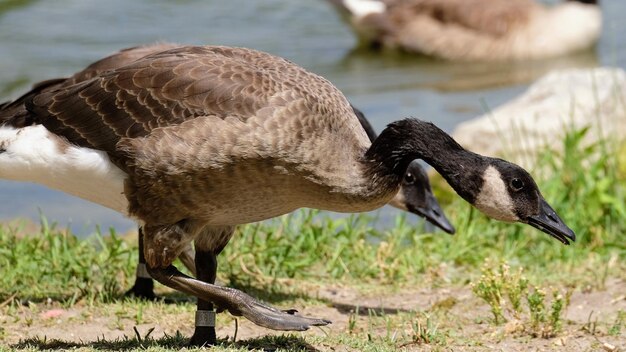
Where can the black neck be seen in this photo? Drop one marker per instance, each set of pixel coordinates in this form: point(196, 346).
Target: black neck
point(406, 140)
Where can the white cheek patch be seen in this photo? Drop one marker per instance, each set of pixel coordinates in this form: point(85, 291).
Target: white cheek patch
point(34, 154)
point(399, 201)
point(494, 199)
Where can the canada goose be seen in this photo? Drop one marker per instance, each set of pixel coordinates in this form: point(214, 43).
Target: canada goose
point(476, 29)
point(415, 193)
point(192, 141)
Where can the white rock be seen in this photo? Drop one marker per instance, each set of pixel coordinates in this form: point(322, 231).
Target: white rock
point(559, 101)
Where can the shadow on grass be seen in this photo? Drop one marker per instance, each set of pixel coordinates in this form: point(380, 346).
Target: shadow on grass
point(175, 342)
point(345, 308)
point(168, 298)
point(268, 293)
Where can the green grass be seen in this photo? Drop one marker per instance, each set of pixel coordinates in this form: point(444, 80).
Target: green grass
point(57, 265)
point(309, 248)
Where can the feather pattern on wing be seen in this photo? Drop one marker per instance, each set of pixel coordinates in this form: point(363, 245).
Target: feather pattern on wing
point(173, 86)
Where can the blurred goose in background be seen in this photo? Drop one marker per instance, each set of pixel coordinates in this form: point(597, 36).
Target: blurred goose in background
point(475, 30)
point(193, 141)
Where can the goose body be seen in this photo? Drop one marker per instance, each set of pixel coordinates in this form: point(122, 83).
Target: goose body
point(415, 194)
point(488, 30)
point(195, 140)
point(150, 156)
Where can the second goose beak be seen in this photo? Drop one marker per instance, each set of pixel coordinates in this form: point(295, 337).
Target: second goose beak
point(432, 212)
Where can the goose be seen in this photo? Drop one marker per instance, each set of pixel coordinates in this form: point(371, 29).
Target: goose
point(475, 30)
point(195, 140)
point(415, 193)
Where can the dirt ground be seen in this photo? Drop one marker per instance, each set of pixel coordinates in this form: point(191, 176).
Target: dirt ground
point(465, 320)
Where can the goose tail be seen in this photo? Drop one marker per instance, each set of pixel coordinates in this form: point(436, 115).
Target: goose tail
point(14, 112)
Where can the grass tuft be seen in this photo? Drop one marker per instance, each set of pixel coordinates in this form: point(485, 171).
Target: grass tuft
point(497, 283)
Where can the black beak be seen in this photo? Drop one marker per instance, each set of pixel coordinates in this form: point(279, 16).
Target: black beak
point(549, 222)
point(433, 213)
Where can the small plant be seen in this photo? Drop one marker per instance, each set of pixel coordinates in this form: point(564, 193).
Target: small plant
point(352, 319)
point(498, 282)
point(425, 333)
point(515, 286)
point(490, 290)
point(536, 308)
point(559, 303)
point(616, 328)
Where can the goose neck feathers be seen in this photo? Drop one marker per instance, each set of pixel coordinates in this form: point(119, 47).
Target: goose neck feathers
point(405, 140)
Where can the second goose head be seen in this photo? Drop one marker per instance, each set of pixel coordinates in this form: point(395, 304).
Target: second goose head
point(415, 194)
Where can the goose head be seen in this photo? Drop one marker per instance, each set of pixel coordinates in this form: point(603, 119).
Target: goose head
point(498, 188)
point(508, 193)
point(416, 196)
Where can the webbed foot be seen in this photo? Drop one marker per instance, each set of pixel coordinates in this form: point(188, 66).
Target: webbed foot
point(263, 315)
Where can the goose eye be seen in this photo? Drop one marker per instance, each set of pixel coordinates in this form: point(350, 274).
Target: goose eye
point(409, 178)
point(517, 184)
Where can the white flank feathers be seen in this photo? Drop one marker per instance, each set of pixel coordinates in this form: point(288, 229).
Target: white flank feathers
point(34, 154)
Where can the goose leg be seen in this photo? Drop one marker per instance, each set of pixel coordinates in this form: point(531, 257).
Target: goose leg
point(162, 244)
point(144, 285)
point(236, 302)
point(209, 244)
point(204, 333)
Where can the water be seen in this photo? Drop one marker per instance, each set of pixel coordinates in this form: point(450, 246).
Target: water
point(46, 39)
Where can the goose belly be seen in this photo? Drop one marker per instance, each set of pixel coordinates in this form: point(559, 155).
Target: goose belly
point(246, 205)
point(33, 154)
point(242, 192)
